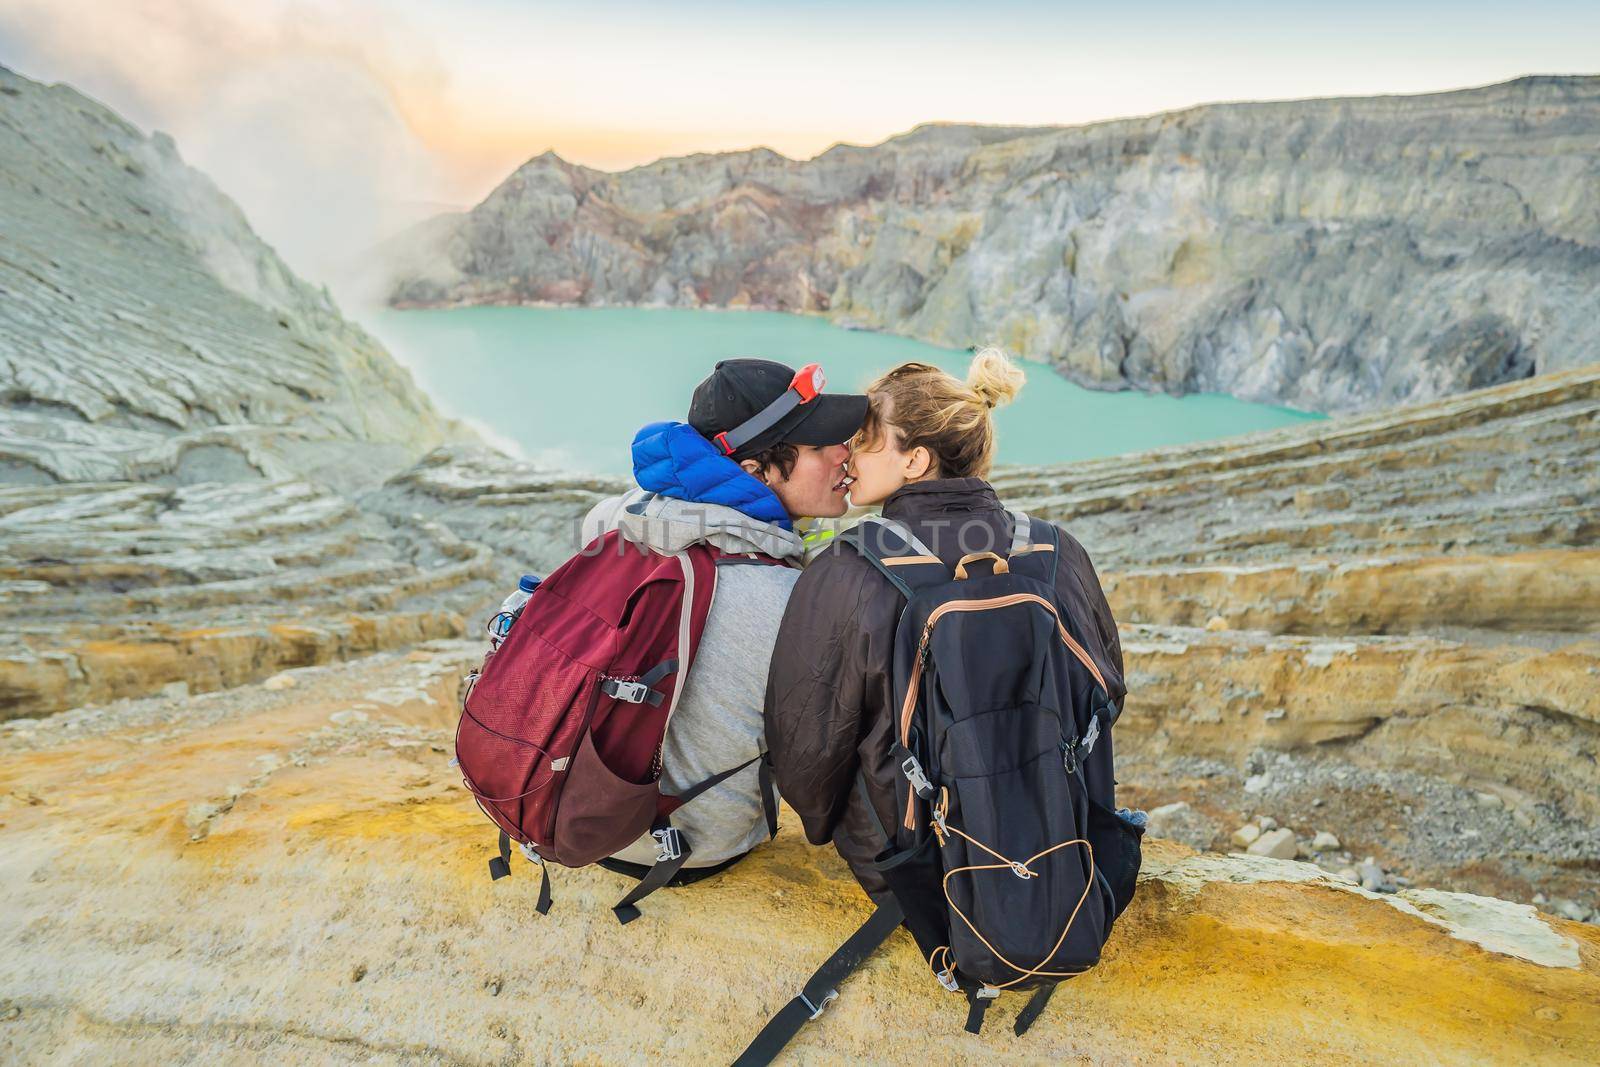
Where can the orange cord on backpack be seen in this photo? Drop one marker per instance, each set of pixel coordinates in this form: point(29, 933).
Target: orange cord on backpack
point(1021, 870)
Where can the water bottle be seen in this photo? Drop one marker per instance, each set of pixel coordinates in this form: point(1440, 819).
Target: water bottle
point(511, 607)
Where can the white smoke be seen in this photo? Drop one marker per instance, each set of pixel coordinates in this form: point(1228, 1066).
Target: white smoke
point(290, 109)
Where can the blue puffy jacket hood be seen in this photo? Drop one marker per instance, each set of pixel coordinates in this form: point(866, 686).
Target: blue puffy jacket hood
point(673, 459)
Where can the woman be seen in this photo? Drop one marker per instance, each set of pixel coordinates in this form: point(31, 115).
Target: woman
point(922, 453)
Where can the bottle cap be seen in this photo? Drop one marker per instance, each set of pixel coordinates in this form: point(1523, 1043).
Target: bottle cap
point(528, 583)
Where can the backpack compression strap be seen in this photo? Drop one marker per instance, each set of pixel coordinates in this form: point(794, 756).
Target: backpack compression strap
point(1034, 547)
point(500, 867)
point(673, 847)
point(1033, 1009)
point(821, 987)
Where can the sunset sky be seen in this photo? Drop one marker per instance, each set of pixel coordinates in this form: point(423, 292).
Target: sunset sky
point(358, 103)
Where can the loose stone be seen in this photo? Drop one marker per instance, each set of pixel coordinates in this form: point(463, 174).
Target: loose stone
point(1279, 844)
point(1372, 878)
point(1246, 835)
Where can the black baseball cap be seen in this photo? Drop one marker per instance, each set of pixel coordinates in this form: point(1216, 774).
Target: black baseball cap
point(739, 389)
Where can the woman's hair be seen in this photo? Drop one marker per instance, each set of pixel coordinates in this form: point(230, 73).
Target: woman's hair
point(939, 412)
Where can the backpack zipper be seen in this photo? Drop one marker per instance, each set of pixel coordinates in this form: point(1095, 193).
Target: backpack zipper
point(924, 647)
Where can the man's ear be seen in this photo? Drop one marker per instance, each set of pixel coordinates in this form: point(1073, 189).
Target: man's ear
point(752, 467)
point(918, 462)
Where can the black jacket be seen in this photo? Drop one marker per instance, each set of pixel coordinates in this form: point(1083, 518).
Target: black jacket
point(830, 687)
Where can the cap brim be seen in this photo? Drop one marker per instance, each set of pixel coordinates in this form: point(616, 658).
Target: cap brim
point(830, 419)
point(835, 418)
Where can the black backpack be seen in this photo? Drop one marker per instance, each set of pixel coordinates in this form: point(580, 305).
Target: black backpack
point(1009, 862)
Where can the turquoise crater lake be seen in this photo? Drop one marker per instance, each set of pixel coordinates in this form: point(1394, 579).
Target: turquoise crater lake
point(569, 386)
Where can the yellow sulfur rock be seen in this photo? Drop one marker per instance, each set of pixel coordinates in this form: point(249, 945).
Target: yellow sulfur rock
point(256, 883)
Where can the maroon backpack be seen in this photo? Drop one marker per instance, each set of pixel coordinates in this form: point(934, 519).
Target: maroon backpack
point(562, 726)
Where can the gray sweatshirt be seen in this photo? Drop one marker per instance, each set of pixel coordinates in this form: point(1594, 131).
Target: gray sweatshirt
point(717, 723)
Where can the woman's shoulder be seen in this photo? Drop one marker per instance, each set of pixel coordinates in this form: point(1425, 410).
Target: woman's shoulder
point(837, 556)
point(842, 580)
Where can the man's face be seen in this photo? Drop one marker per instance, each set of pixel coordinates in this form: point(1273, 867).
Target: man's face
point(816, 487)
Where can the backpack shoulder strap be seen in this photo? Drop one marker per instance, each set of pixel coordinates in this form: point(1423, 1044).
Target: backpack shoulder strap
point(823, 986)
point(897, 553)
point(1034, 547)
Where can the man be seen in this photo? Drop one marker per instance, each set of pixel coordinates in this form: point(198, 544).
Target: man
point(762, 447)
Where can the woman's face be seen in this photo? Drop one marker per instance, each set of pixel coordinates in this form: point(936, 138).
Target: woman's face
point(880, 468)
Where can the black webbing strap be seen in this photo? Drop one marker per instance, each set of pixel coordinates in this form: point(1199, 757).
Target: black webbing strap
point(715, 780)
point(640, 690)
point(659, 671)
point(821, 987)
point(1033, 1009)
point(675, 847)
point(881, 540)
point(1039, 533)
point(976, 1007)
point(856, 540)
point(769, 795)
point(542, 906)
point(675, 851)
point(872, 812)
point(500, 867)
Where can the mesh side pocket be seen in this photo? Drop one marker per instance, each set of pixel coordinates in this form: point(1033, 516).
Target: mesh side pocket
point(600, 813)
point(1117, 853)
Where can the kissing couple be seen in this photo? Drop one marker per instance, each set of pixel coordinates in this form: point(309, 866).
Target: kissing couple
point(930, 685)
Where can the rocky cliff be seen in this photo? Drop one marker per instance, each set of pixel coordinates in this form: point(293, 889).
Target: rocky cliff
point(185, 427)
point(1333, 255)
point(147, 333)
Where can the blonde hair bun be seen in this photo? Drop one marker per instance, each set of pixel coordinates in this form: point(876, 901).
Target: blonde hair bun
point(993, 377)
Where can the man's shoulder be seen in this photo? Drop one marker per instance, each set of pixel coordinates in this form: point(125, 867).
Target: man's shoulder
point(750, 587)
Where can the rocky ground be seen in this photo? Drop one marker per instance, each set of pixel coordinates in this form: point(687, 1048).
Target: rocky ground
point(1334, 255)
point(290, 870)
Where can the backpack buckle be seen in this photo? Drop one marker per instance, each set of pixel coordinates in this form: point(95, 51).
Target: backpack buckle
point(987, 992)
point(669, 843)
point(917, 777)
point(1092, 734)
point(947, 978)
point(817, 1009)
point(629, 692)
point(533, 857)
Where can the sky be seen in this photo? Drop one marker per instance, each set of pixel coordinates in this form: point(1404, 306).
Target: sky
point(336, 122)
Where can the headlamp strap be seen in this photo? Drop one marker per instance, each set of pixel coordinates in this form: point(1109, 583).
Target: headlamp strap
point(806, 387)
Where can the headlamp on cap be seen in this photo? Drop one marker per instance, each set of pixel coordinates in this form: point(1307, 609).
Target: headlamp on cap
point(806, 386)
